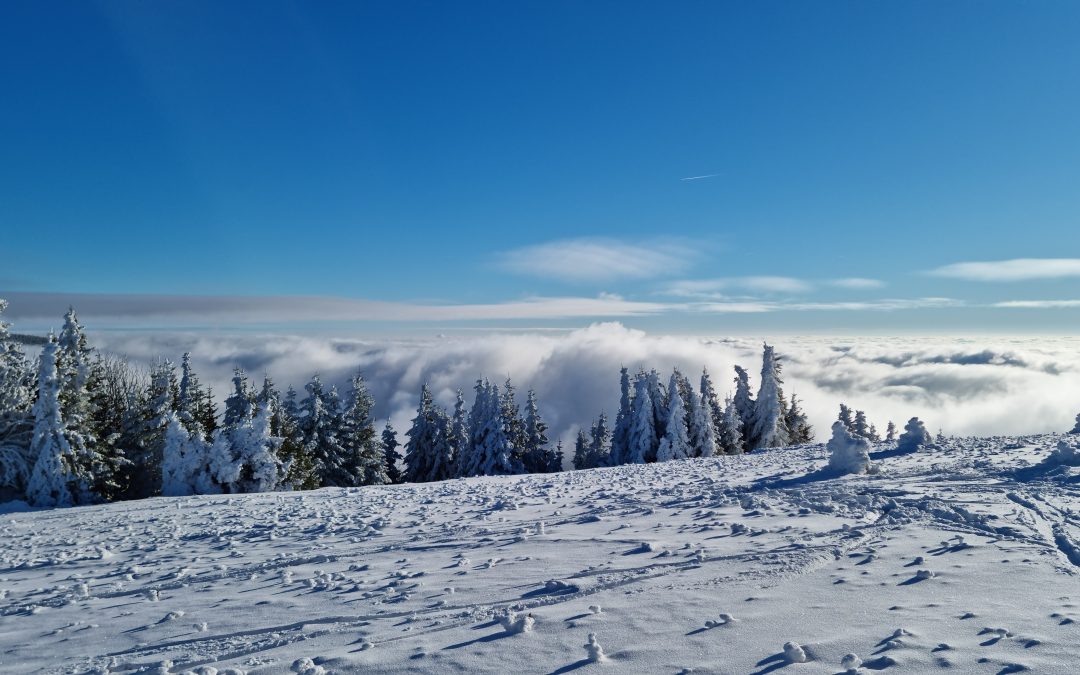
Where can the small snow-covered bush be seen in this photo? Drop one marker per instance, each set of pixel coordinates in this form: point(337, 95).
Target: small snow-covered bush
point(915, 436)
point(847, 453)
point(1066, 453)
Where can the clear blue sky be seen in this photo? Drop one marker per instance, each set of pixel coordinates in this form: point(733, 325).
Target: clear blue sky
point(407, 153)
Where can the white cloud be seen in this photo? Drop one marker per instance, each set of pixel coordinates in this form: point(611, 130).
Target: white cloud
point(974, 386)
point(714, 288)
point(856, 283)
point(886, 305)
point(1019, 269)
point(599, 259)
point(1038, 304)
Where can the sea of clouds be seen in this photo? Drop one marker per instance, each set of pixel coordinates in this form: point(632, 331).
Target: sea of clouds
point(977, 386)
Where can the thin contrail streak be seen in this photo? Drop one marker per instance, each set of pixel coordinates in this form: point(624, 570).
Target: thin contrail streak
point(708, 175)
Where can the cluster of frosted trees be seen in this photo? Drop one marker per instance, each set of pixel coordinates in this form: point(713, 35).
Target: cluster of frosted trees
point(77, 427)
point(492, 438)
point(658, 423)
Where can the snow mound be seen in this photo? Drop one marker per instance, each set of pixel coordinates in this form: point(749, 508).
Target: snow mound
point(848, 453)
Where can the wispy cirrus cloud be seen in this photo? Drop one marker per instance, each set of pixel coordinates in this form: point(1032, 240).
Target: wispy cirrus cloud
point(718, 289)
point(856, 283)
point(884, 305)
point(1038, 304)
point(600, 259)
point(1017, 269)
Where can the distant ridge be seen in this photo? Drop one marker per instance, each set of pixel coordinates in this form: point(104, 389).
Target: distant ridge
point(28, 339)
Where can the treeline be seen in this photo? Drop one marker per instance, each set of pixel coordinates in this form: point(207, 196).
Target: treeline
point(655, 423)
point(81, 427)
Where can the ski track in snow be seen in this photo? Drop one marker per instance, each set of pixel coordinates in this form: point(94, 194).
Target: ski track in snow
point(962, 558)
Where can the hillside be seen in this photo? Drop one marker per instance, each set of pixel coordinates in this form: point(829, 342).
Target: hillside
point(961, 558)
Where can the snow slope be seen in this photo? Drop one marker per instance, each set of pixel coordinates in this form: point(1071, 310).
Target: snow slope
point(962, 558)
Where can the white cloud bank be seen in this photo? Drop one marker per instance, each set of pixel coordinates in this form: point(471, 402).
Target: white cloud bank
point(1018, 269)
point(599, 259)
point(977, 387)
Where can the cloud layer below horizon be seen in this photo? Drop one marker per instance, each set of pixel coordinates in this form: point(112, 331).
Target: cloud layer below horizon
point(967, 387)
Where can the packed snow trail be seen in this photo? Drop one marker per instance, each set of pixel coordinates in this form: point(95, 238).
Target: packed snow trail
point(964, 557)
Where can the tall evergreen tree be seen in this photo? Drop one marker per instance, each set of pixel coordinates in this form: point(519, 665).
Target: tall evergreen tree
point(744, 406)
point(643, 438)
point(539, 457)
point(16, 416)
point(599, 446)
point(156, 405)
point(581, 451)
point(514, 424)
point(701, 427)
point(358, 436)
point(300, 470)
point(320, 429)
point(846, 418)
point(769, 429)
point(620, 438)
point(861, 427)
point(711, 401)
point(730, 439)
point(240, 405)
point(391, 457)
point(798, 425)
point(427, 452)
point(890, 432)
point(57, 478)
point(676, 441)
point(459, 436)
point(660, 401)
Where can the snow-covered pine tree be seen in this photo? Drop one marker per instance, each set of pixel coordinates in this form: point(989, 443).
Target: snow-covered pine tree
point(620, 438)
point(557, 458)
point(701, 427)
point(113, 387)
point(391, 457)
point(769, 429)
point(1076, 428)
point(358, 437)
point(599, 444)
point(848, 453)
point(659, 396)
point(915, 436)
point(643, 440)
point(872, 434)
point(676, 441)
point(846, 418)
point(185, 462)
point(515, 425)
point(16, 416)
point(709, 398)
point(798, 425)
point(538, 454)
point(156, 405)
point(240, 405)
point(56, 479)
point(191, 397)
point(299, 465)
point(744, 406)
point(497, 456)
point(890, 432)
point(256, 450)
point(730, 440)
point(423, 438)
point(469, 463)
point(207, 415)
point(320, 428)
point(459, 436)
point(581, 451)
point(861, 427)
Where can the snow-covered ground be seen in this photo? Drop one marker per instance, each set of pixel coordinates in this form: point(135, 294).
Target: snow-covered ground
point(965, 557)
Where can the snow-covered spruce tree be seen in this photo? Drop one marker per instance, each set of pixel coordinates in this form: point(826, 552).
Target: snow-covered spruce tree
point(710, 399)
point(861, 427)
point(497, 456)
point(240, 405)
point(243, 458)
point(890, 432)
point(359, 438)
point(798, 425)
point(744, 406)
point(515, 425)
point(539, 457)
point(207, 414)
point(114, 387)
point(156, 405)
point(557, 458)
point(846, 418)
point(643, 440)
point(459, 435)
point(1076, 428)
point(848, 453)
point(769, 429)
point(190, 398)
point(16, 416)
point(320, 429)
point(701, 427)
point(872, 434)
point(659, 396)
point(185, 462)
point(915, 436)
point(730, 440)
point(391, 457)
point(581, 451)
point(620, 438)
point(427, 438)
point(285, 424)
point(676, 441)
point(599, 444)
point(56, 478)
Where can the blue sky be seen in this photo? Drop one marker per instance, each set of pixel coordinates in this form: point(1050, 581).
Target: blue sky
point(524, 163)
